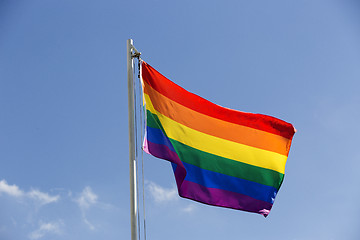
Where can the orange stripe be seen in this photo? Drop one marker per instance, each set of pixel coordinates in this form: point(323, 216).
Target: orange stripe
point(216, 127)
point(178, 94)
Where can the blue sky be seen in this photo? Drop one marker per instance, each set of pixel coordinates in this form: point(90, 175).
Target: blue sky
point(63, 113)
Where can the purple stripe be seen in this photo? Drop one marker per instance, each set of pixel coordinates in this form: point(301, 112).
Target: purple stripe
point(163, 152)
point(211, 196)
point(223, 198)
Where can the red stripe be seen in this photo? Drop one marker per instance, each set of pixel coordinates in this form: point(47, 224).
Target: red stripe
point(199, 104)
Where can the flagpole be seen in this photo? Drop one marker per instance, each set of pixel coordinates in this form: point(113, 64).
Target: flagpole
point(132, 159)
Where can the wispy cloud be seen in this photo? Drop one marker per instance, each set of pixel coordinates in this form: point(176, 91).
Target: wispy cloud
point(160, 194)
point(33, 199)
point(41, 197)
point(163, 195)
point(11, 190)
point(38, 196)
point(86, 200)
point(47, 228)
point(189, 208)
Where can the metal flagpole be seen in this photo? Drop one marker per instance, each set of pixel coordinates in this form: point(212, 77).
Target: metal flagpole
point(131, 53)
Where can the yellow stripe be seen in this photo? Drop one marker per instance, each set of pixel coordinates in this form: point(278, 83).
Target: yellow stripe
point(218, 146)
point(217, 127)
point(149, 105)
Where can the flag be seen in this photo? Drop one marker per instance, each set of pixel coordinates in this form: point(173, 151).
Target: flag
point(220, 156)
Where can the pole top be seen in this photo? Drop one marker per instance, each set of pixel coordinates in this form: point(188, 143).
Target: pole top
point(133, 50)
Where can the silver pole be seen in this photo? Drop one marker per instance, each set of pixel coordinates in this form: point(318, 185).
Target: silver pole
point(132, 160)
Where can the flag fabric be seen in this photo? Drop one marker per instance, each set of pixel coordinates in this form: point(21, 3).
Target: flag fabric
point(220, 156)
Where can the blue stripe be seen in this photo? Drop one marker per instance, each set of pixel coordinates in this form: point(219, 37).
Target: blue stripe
point(174, 166)
point(157, 136)
point(211, 179)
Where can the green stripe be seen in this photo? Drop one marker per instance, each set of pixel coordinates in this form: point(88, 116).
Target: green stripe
point(227, 166)
point(153, 121)
point(219, 164)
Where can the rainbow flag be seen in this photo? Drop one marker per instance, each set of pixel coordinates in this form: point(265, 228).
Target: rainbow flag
point(220, 156)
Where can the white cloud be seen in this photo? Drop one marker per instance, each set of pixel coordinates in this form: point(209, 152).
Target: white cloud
point(164, 195)
point(47, 228)
point(190, 208)
point(89, 224)
point(34, 198)
point(161, 194)
point(87, 198)
point(39, 197)
point(11, 190)
point(42, 198)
